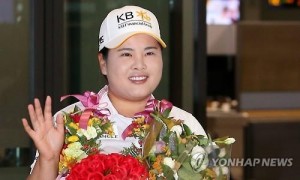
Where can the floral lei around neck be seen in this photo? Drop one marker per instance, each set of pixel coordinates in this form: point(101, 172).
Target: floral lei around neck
point(168, 148)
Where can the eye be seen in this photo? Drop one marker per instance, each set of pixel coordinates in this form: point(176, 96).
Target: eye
point(126, 54)
point(149, 53)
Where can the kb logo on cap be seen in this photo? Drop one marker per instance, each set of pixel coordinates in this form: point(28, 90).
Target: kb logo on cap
point(129, 15)
point(125, 16)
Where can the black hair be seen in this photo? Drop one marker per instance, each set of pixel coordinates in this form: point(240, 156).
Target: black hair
point(104, 53)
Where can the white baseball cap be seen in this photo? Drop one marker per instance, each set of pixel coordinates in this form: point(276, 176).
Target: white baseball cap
point(120, 24)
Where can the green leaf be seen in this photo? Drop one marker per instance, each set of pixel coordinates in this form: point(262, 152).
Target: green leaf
point(221, 139)
point(202, 140)
point(187, 130)
point(168, 172)
point(184, 154)
point(169, 122)
point(150, 138)
point(72, 131)
point(186, 172)
point(166, 113)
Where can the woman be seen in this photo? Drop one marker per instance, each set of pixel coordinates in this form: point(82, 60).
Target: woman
point(130, 56)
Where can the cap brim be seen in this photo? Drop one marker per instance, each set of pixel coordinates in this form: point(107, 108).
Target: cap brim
point(122, 38)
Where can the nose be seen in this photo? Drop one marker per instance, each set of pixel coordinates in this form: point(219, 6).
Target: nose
point(139, 63)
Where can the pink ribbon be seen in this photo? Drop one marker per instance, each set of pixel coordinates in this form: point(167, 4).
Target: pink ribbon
point(160, 106)
point(127, 132)
point(151, 106)
point(90, 101)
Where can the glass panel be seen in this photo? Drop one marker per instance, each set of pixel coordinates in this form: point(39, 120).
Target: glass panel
point(14, 87)
point(83, 23)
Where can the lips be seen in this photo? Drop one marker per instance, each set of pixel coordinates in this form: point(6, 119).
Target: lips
point(138, 79)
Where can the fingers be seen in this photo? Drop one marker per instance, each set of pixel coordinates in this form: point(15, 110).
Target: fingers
point(37, 116)
point(27, 128)
point(38, 110)
point(33, 117)
point(60, 122)
point(48, 110)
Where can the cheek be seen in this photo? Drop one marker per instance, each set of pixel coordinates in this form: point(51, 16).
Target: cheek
point(157, 67)
point(116, 70)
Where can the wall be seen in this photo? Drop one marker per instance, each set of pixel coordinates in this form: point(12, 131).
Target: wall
point(268, 65)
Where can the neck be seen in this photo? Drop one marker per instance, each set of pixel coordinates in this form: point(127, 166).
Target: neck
point(126, 107)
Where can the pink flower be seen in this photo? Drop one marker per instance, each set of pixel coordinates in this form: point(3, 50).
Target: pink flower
point(165, 105)
point(159, 146)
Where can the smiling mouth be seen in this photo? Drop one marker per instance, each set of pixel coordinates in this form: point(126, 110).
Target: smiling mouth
point(138, 78)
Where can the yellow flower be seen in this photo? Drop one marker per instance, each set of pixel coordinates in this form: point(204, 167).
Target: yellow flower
point(136, 130)
point(167, 150)
point(66, 162)
point(157, 164)
point(140, 120)
point(92, 121)
point(152, 176)
point(110, 131)
point(73, 138)
point(73, 125)
point(146, 126)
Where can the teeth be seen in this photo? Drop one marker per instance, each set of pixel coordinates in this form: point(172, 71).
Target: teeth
point(139, 78)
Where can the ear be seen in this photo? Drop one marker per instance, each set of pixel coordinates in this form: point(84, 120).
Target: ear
point(102, 64)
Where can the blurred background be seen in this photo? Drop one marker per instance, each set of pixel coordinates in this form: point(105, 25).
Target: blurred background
point(234, 64)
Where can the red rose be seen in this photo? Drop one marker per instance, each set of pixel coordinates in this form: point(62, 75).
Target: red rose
point(108, 167)
point(75, 117)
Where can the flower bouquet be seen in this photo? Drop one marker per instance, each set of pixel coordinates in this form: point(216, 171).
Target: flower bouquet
point(172, 151)
point(169, 150)
point(83, 128)
point(82, 142)
point(81, 156)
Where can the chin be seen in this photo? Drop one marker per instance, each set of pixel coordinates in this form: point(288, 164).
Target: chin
point(140, 95)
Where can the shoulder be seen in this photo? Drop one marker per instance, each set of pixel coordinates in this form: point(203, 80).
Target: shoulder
point(188, 119)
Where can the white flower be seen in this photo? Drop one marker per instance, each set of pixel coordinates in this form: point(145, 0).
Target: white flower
point(197, 149)
point(177, 129)
point(229, 141)
point(79, 132)
point(211, 147)
point(74, 151)
point(221, 170)
point(222, 152)
point(169, 162)
point(89, 133)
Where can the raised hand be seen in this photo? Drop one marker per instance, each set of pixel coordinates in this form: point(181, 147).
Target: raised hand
point(47, 137)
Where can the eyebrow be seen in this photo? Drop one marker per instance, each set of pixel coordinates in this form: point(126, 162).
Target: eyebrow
point(151, 47)
point(130, 49)
point(125, 49)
